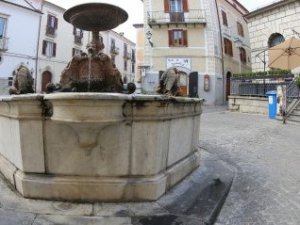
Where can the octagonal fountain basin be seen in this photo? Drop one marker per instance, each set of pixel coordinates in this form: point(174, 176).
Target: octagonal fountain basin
point(98, 146)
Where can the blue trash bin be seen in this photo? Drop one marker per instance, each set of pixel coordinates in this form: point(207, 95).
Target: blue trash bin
point(272, 103)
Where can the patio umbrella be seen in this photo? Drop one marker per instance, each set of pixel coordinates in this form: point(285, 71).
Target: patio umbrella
point(285, 55)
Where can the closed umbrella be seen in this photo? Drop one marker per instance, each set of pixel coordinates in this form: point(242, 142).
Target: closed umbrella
point(285, 55)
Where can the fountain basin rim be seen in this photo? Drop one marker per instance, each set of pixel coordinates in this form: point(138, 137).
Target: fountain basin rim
point(117, 96)
point(97, 96)
point(81, 11)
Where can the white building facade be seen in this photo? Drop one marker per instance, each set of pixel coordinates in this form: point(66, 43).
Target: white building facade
point(19, 32)
point(122, 52)
point(59, 41)
point(269, 26)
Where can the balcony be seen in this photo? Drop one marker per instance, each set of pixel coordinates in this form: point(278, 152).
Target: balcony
point(127, 55)
point(50, 30)
point(193, 17)
point(114, 50)
point(3, 44)
point(78, 40)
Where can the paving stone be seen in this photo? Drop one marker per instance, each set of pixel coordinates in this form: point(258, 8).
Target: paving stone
point(11, 217)
point(10, 199)
point(76, 220)
point(266, 155)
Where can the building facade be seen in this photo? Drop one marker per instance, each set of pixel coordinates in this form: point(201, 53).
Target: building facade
point(140, 67)
point(122, 53)
point(49, 43)
point(19, 32)
point(59, 41)
point(269, 26)
point(190, 35)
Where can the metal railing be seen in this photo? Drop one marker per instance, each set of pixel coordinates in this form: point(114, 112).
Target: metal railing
point(257, 86)
point(196, 16)
point(114, 50)
point(4, 43)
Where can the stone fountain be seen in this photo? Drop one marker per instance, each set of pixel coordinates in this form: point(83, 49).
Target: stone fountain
point(97, 146)
point(94, 71)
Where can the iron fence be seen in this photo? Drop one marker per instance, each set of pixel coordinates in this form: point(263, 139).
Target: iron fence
point(258, 86)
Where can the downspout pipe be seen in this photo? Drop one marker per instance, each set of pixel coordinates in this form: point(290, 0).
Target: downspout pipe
point(222, 50)
point(37, 47)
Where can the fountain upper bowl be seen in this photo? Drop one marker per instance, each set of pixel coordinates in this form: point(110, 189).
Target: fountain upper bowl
point(95, 16)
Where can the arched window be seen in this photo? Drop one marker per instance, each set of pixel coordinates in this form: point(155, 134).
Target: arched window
point(275, 39)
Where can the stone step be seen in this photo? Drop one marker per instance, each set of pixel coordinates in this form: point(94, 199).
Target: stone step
point(295, 113)
point(294, 118)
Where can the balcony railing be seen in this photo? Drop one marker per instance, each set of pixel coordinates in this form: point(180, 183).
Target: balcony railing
point(4, 44)
point(50, 30)
point(78, 40)
point(193, 16)
point(114, 50)
point(127, 55)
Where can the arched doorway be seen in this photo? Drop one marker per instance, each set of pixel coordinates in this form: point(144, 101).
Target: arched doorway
point(228, 77)
point(46, 78)
point(183, 83)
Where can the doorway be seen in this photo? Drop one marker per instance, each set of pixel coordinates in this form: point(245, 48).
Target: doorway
point(46, 78)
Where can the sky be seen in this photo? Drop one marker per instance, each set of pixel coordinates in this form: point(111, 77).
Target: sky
point(134, 9)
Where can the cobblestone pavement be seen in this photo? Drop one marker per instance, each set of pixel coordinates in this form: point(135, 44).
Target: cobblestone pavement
point(266, 154)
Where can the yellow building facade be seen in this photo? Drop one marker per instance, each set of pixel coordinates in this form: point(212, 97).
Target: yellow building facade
point(188, 35)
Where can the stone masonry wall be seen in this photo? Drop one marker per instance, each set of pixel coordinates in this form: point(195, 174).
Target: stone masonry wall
point(283, 20)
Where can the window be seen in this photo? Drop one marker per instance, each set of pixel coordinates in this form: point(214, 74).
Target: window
point(2, 27)
point(275, 39)
point(224, 18)
point(112, 44)
point(176, 6)
point(78, 35)
point(132, 68)
point(177, 38)
point(3, 38)
point(76, 51)
point(51, 25)
point(125, 64)
point(228, 47)
point(113, 49)
point(113, 59)
point(132, 61)
point(133, 56)
point(243, 56)
point(125, 51)
point(240, 29)
point(49, 48)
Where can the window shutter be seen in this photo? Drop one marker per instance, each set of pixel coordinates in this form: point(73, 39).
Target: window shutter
point(81, 33)
point(44, 47)
point(73, 51)
point(184, 37)
point(167, 7)
point(54, 49)
point(74, 30)
point(171, 39)
point(56, 23)
point(185, 5)
point(49, 21)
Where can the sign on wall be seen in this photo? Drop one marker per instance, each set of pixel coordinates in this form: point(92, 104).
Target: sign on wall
point(179, 62)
